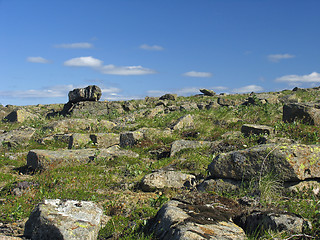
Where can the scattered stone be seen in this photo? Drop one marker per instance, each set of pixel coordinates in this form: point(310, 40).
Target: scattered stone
point(223, 101)
point(101, 140)
point(55, 219)
point(166, 179)
point(129, 139)
point(185, 122)
point(219, 185)
point(85, 109)
point(128, 106)
point(160, 153)
point(303, 186)
point(261, 221)
point(290, 162)
point(179, 145)
point(153, 133)
point(44, 159)
point(203, 218)
point(207, 92)
point(17, 137)
point(291, 98)
point(90, 93)
point(188, 106)
point(249, 129)
point(65, 138)
point(20, 115)
point(21, 187)
point(308, 113)
point(169, 96)
point(154, 112)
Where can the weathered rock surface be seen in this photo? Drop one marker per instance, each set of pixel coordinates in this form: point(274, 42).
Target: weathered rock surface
point(4, 237)
point(179, 145)
point(129, 139)
point(303, 186)
point(249, 129)
point(169, 96)
point(17, 137)
point(101, 140)
point(222, 101)
point(56, 219)
point(151, 113)
point(77, 124)
point(198, 219)
point(207, 92)
point(44, 159)
point(308, 113)
point(291, 162)
point(276, 221)
point(166, 179)
point(20, 115)
point(86, 109)
point(90, 93)
point(219, 185)
point(185, 122)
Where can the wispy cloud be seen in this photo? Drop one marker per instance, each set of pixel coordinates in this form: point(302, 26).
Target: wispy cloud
point(278, 57)
point(247, 89)
point(311, 78)
point(83, 62)
point(151, 48)
point(97, 65)
point(74, 45)
point(197, 74)
point(37, 60)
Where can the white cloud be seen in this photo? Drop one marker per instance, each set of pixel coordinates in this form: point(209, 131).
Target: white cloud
point(125, 70)
point(312, 77)
point(97, 65)
point(75, 45)
point(197, 74)
point(247, 89)
point(83, 62)
point(151, 48)
point(278, 57)
point(37, 60)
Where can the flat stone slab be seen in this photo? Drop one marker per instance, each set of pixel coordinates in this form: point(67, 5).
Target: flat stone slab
point(179, 145)
point(44, 159)
point(101, 140)
point(64, 219)
point(290, 162)
point(249, 129)
point(17, 137)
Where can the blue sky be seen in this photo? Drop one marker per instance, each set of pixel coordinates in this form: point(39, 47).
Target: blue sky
point(138, 48)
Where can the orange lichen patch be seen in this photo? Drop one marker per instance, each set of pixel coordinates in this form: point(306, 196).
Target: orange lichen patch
point(206, 231)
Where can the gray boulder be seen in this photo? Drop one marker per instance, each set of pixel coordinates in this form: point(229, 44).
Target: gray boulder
point(185, 122)
point(249, 129)
point(219, 185)
point(169, 96)
point(90, 93)
point(290, 162)
point(44, 159)
point(56, 219)
point(101, 140)
point(20, 115)
point(129, 139)
point(17, 137)
point(207, 92)
point(166, 179)
point(202, 218)
point(308, 113)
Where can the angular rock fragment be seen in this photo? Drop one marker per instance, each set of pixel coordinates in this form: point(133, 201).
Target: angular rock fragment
point(166, 179)
point(185, 122)
point(17, 137)
point(56, 219)
point(129, 139)
point(207, 92)
point(249, 129)
point(101, 140)
point(169, 96)
point(20, 115)
point(44, 159)
point(90, 93)
point(179, 145)
point(308, 113)
point(290, 162)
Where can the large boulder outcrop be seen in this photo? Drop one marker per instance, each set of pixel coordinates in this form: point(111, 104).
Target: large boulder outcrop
point(290, 162)
point(90, 93)
point(56, 219)
point(20, 115)
point(44, 159)
point(166, 179)
point(308, 113)
point(207, 92)
point(202, 217)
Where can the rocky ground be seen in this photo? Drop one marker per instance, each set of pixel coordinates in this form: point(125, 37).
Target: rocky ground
point(202, 167)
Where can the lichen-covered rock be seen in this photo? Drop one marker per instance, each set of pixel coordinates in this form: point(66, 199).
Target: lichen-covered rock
point(249, 129)
point(207, 92)
point(17, 137)
point(290, 162)
point(86, 109)
point(199, 219)
point(185, 122)
point(44, 159)
point(308, 113)
point(20, 115)
point(101, 140)
point(56, 219)
point(169, 96)
point(166, 179)
point(223, 101)
point(90, 93)
point(219, 185)
point(129, 139)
